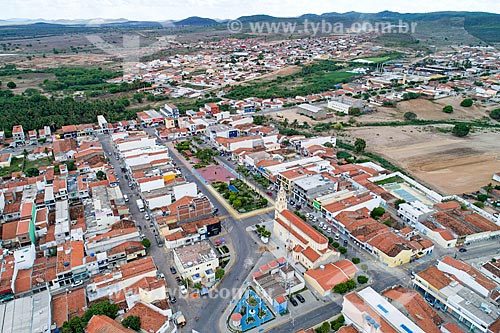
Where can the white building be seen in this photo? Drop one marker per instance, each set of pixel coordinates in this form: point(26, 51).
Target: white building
point(368, 312)
point(413, 212)
point(197, 262)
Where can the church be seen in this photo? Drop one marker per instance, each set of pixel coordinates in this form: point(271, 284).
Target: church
point(307, 246)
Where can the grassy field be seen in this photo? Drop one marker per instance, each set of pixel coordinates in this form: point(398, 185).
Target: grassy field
point(311, 79)
point(16, 165)
point(43, 162)
point(382, 58)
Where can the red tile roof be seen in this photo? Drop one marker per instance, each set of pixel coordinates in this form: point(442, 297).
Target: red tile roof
point(304, 227)
point(104, 324)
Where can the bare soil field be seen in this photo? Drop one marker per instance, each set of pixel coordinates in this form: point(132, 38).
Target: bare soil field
point(28, 80)
point(450, 165)
point(428, 110)
point(60, 60)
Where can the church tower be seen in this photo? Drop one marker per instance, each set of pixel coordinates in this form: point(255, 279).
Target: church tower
point(280, 204)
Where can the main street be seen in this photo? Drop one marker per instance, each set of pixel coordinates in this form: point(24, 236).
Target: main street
point(245, 251)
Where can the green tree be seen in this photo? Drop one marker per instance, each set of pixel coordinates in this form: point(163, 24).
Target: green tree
point(467, 103)
point(359, 145)
point(338, 126)
point(461, 130)
point(11, 85)
point(146, 243)
point(399, 202)
point(356, 260)
point(355, 112)
point(342, 250)
point(448, 109)
point(495, 114)
point(74, 325)
point(479, 204)
point(32, 172)
point(377, 212)
point(219, 274)
point(409, 116)
point(362, 279)
point(138, 97)
point(328, 144)
point(324, 328)
point(336, 245)
point(100, 175)
point(105, 308)
point(237, 203)
point(132, 322)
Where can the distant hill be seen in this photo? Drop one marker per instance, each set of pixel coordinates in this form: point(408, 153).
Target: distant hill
point(454, 27)
point(196, 21)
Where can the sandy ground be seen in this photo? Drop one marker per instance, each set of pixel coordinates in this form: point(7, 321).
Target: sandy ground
point(449, 164)
point(428, 110)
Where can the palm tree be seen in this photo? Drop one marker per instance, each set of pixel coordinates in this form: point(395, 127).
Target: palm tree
point(295, 123)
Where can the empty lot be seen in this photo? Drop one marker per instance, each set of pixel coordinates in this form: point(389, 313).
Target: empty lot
point(449, 164)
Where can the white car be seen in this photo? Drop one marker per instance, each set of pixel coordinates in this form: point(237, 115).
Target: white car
point(147, 217)
point(325, 227)
point(337, 236)
point(183, 290)
point(77, 283)
point(329, 230)
point(321, 224)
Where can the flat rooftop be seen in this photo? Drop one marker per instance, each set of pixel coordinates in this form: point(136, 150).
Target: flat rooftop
point(27, 314)
point(195, 254)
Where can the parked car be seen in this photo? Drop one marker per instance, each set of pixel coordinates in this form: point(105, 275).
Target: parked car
point(337, 236)
point(172, 299)
point(269, 193)
point(147, 217)
point(172, 270)
point(77, 283)
point(300, 298)
point(183, 290)
point(161, 276)
point(293, 301)
point(325, 227)
point(321, 224)
point(329, 230)
point(462, 249)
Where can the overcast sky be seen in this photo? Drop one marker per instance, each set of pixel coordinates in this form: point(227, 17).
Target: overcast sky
point(157, 10)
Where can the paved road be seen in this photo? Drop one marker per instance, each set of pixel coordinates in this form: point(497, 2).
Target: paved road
point(308, 320)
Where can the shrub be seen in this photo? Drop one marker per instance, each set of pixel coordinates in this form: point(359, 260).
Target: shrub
point(11, 85)
point(467, 103)
point(356, 261)
point(409, 116)
point(219, 274)
point(133, 322)
point(362, 279)
point(461, 130)
point(495, 114)
point(359, 145)
point(377, 212)
point(448, 109)
point(479, 204)
point(146, 243)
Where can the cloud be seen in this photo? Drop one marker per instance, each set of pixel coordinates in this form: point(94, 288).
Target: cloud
point(169, 9)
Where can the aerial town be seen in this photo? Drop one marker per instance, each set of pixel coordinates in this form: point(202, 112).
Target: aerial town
point(238, 204)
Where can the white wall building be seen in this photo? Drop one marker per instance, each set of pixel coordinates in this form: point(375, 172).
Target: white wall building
point(413, 212)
